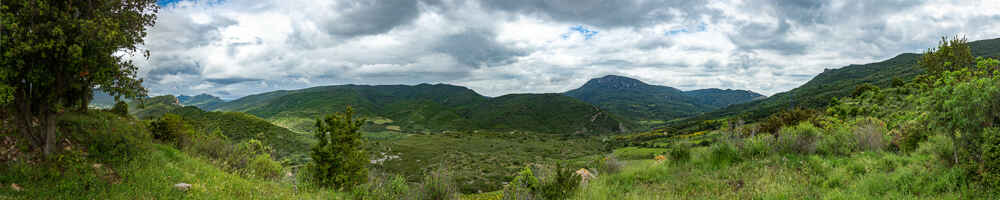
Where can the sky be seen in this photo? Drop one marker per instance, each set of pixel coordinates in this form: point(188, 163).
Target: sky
point(235, 48)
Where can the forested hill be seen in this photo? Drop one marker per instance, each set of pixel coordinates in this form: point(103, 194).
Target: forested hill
point(835, 83)
point(637, 100)
point(427, 107)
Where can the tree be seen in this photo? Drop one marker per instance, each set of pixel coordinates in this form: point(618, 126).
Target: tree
point(338, 158)
point(950, 55)
point(55, 53)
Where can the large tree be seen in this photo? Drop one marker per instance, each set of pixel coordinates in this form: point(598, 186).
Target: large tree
point(55, 53)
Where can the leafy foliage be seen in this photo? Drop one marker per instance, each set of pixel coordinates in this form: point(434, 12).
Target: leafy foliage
point(339, 159)
point(56, 53)
point(171, 129)
point(120, 109)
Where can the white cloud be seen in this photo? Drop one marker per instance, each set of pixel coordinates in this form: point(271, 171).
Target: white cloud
point(240, 47)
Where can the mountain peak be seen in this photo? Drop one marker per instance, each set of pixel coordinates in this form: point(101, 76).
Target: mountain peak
point(615, 82)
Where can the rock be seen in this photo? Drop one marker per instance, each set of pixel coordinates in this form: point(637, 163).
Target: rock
point(15, 187)
point(182, 186)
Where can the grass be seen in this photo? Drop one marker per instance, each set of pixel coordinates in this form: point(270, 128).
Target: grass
point(866, 175)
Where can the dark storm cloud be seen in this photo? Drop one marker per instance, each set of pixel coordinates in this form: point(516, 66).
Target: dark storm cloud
point(372, 17)
point(477, 48)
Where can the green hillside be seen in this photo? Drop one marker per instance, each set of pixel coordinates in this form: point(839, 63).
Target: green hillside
point(201, 101)
point(426, 107)
point(833, 83)
point(639, 101)
point(235, 126)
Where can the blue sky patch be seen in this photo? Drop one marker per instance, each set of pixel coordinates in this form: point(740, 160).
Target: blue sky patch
point(587, 33)
point(700, 28)
point(166, 2)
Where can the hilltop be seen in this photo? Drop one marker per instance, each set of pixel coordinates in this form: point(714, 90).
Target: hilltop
point(637, 100)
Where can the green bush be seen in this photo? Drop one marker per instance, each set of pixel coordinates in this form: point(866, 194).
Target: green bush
point(383, 188)
point(838, 141)
point(722, 153)
point(911, 134)
point(339, 158)
point(436, 185)
point(799, 139)
point(869, 133)
point(606, 165)
point(786, 118)
point(562, 185)
point(939, 146)
point(524, 186)
point(680, 154)
point(262, 166)
point(989, 168)
point(120, 108)
point(758, 146)
point(171, 129)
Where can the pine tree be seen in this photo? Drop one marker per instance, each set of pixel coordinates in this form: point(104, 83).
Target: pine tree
point(338, 159)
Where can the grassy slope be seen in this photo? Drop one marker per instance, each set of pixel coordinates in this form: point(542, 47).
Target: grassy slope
point(862, 175)
point(147, 171)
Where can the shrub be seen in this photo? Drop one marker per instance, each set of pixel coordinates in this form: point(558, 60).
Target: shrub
point(911, 134)
point(786, 118)
point(864, 87)
point(562, 185)
point(339, 158)
point(608, 164)
point(523, 187)
point(838, 141)
point(680, 154)
point(170, 128)
point(435, 186)
point(939, 146)
point(797, 139)
point(989, 168)
point(722, 153)
point(869, 134)
point(120, 108)
point(262, 166)
point(383, 188)
point(757, 146)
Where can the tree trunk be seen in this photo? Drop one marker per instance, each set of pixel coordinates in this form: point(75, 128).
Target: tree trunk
point(49, 129)
point(85, 100)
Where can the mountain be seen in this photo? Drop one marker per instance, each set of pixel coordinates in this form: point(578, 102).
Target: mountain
point(427, 107)
point(834, 83)
point(637, 100)
point(721, 98)
point(201, 101)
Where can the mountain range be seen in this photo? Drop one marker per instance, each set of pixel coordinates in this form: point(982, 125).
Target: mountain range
point(607, 104)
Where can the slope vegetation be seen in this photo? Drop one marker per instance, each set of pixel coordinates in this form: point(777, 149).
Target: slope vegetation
point(425, 107)
point(637, 100)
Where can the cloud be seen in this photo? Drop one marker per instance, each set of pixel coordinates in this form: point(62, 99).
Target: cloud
point(235, 48)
